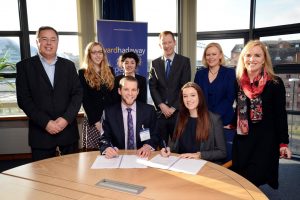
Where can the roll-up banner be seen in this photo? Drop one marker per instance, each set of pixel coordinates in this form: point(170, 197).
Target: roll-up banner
point(119, 37)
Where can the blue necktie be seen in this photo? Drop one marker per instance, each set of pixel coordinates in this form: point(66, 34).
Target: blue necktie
point(168, 68)
point(130, 140)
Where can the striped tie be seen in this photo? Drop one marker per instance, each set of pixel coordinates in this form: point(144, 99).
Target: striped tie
point(130, 141)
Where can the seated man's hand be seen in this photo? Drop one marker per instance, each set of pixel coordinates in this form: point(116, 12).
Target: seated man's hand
point(111, 152)
point(165, 152)
point(144, 151)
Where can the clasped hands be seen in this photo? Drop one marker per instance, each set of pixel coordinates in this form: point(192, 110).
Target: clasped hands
point(55, 126)
point(166, 110)
point(143, 152)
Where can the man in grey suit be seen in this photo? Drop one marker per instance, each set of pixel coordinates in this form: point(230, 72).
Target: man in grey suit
point(50, 94)
point(116, 124)
point(168, 74)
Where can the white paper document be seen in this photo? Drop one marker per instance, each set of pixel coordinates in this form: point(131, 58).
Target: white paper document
point(160, 162)
point(174, 163)
point(189, 166)
point(122, 161)
point(130, 161)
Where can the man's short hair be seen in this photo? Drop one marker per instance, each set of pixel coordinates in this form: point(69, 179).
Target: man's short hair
point(164, 33)
point(128, 78)
point(42, 28)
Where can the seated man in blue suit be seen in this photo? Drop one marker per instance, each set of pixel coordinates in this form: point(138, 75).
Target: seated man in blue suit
point(129, 124)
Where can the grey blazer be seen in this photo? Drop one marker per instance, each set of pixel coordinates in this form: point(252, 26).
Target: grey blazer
point(214, 149)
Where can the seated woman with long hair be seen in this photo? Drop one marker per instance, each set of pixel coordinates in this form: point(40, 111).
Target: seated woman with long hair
point(198, 132)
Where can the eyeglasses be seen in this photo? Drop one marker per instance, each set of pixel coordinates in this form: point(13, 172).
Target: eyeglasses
point(97, 52)
point(48, 40)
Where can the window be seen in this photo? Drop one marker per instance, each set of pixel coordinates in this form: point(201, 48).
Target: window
point(61, 15)
point(9, 56)
point(274, 13)
point(10, 34)
point(284, 49)
point(160, 15)
point(9, 15)
point(215, 15)
point(231, 49)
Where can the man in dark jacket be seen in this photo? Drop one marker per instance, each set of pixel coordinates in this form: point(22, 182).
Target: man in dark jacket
point(50, 94)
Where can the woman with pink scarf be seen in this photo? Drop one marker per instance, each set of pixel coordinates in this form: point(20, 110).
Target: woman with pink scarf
point(262, 131)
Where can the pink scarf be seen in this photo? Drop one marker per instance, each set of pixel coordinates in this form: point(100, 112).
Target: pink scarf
point(253, 92)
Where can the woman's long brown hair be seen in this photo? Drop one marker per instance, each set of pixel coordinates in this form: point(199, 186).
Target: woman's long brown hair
point(203, 121)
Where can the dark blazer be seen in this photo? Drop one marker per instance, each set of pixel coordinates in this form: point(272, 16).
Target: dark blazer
point(221, 93)
point(113, 126)
point(167, 91)
point(214, 149)
point(41, 102)
point(94, 101)
point(142, 96)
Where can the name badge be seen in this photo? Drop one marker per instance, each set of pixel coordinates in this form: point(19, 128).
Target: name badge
point(145, 134)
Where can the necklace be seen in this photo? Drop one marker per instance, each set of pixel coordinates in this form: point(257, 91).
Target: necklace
point(213, 73)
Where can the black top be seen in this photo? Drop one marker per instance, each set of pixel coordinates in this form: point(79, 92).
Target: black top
point(213, 149)
point(256, 155)
point(187, 141)
point(94, 101)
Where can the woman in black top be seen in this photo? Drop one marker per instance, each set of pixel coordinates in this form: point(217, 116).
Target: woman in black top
point(198, 132)
point(129, 62)
point(97, 79)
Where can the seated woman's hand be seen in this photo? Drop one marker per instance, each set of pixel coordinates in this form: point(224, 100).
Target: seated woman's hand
point(191, 155)
point(165, 152)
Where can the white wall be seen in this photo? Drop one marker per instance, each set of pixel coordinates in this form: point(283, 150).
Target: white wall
point(14, 136)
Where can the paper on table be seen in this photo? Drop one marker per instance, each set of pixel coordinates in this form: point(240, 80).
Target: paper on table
point(174, 163)
point(130, 161)
point(160, 162)
point(122, 161)
point(102, 163)
point(189, 166)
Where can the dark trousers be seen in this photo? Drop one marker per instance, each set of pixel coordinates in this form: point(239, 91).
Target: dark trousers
point(229, 135)
point(40, 154)
point(167, 126)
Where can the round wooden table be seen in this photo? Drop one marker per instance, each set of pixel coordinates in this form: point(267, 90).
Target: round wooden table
point(73, 173)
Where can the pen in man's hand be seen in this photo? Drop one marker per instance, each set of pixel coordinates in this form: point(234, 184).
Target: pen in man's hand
point(113, 149)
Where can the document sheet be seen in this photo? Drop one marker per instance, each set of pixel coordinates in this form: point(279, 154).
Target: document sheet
point(122, 161)
point(174, 163)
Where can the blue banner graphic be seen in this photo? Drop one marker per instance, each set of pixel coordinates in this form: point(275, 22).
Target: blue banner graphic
point(119, 37)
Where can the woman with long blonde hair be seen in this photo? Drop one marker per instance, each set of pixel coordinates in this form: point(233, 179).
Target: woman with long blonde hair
point(262, 130)
point(97, 79)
